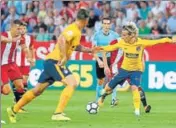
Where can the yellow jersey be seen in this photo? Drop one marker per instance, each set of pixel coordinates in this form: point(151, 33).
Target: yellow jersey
point(133, 53)
point(72, 35)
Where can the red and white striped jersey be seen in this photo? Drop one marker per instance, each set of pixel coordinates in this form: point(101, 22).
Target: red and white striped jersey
point(8, 49)
point(20, 55)
point(117, 54)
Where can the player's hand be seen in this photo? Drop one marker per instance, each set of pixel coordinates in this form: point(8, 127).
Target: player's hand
point(31, 61)
point(96, 49)
point(100, 64)
point(114, 68)
point(15, 39)
point(62, 62)
point(174, 39)
point(107, 71)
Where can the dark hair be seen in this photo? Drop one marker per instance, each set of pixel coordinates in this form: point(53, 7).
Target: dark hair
point(106, 18)
point(17, 22)
point(82, 14)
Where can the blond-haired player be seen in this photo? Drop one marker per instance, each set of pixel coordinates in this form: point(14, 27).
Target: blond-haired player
point(132, 65)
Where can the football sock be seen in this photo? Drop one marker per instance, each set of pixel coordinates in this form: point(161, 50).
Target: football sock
point(98, 91)
point(18, 93)
point(64, 98)
point(114, 94)
point(27, 97)
point(136, 99)
point(143, 97)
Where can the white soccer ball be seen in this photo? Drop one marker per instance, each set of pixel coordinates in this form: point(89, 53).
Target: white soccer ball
point(92, 108)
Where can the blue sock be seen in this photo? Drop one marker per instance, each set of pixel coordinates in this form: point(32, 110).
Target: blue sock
point(98, 91)
point(114, 94)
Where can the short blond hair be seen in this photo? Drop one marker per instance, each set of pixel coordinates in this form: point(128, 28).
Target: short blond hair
point(131, 28)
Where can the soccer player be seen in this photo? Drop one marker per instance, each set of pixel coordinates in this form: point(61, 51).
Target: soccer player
point(9, 70)
point(55, 69)
point(103, 38)
point(116, 61)
point(22, 62)
point(132, 65)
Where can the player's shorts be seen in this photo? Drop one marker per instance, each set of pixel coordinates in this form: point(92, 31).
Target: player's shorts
point(52, 72)
point(100, 71)
point(134, 78)
point(24, 70)
point(10, 72)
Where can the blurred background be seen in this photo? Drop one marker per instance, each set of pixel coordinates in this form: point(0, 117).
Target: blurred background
point(47, 18)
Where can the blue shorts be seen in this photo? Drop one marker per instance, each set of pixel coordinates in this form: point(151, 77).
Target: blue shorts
point(134, 78)
point(52, 72)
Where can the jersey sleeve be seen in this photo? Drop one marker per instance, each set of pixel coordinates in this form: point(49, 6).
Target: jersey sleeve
point(110, 48)
point(68, 34)
point(4, 34)
point(146, 43)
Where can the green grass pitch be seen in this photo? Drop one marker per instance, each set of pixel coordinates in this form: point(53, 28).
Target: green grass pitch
point(163, 114)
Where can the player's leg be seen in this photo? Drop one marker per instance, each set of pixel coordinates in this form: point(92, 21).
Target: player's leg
point(117, 79)
point(5, 87)
point(99, 88)
point(135, 81)
point(16, 78)
point(24, 71)
point(144, 100)
point(26, 98)
point(44, 81)
point(69, 80)
point(100, 80)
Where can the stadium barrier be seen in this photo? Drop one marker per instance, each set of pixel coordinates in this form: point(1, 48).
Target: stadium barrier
point(159, 74)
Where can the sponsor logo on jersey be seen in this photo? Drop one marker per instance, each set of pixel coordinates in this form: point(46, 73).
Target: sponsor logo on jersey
point(132, 55)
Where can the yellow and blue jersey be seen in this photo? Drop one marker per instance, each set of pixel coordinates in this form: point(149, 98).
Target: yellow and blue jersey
point(52, 71)
point(133, 53)
point(100, 39)
point(72, 35)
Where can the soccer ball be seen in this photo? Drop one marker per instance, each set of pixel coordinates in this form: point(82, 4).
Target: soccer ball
point(92, 108)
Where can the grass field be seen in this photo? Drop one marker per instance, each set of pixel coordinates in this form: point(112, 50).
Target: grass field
point(163, 113)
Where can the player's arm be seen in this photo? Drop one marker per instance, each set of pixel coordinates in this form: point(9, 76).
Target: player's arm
point(31, 49)
point(28, 54)
point(154, 42)
point(105, 59)
point(110, 48)
point(81, 48)
point(25, 49)
point(62, 47)
point(106, 67)
point(8, 40)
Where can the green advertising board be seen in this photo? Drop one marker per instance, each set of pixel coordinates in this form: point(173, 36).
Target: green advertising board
point(84, 72)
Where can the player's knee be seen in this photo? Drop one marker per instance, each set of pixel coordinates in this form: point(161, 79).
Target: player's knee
point(6, 90)
point(25, 79)
point(108, 89)
point(71, 81)
point(74, 84)
point(100, 81)
point(134, 87)
point(18, 84)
